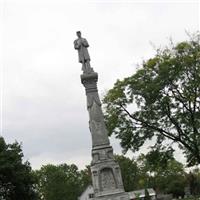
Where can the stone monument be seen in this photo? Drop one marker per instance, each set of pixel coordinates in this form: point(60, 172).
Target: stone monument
point(106, 173)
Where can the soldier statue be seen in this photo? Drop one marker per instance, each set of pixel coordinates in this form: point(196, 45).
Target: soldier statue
point(81, 45)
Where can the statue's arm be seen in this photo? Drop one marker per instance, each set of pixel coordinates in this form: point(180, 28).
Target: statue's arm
point(85, 43)
point(76, 45)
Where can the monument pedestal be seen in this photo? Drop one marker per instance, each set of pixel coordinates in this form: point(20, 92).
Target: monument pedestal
point(106, 173)
point(118, 196)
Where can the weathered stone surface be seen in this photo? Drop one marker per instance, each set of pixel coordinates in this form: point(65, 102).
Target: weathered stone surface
point(106, 173)
point(96, 120)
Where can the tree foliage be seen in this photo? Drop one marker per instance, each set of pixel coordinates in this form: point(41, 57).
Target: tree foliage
point(157, 159)
point(167, 177)
point(161, 101)
point(16, 178)
point(66, 181)
point(147, 196)
point(61, 182)
point(86, 178)
point(193, 179)
point(129, 171)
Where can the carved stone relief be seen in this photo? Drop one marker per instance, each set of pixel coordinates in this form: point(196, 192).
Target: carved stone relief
point(97, 125)
point(107, 180)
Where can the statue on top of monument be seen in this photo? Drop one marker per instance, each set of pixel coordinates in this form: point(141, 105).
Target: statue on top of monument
point(81, 44)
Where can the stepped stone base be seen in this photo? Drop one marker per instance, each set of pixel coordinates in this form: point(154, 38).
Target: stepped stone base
point(118, 196)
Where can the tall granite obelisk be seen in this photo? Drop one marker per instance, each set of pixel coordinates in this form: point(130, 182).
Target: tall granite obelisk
point(106, 173)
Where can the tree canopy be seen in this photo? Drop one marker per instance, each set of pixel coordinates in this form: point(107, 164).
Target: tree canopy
point(129, 171)
point(160, 102)
point(58, 182)
point(193, 179)
point(161, 171)
point(16, 178)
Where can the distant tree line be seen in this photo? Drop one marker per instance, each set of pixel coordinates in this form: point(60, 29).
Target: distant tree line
point(157, 169)
point(52, 182)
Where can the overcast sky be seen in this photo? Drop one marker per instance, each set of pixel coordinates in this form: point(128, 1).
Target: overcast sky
point(43, 103)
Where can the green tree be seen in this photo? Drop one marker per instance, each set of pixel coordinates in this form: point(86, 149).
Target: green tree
point(175, 180)
point(147, 196)
point(16, 178)
point(86, 178)
point(158, 158)
point(129, 171)
point(161, 101)
point(60, 182)
point(193, 179)
point(166, 177)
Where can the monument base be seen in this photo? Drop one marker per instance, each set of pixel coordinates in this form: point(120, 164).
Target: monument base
point(118, 196)
point(106, 175)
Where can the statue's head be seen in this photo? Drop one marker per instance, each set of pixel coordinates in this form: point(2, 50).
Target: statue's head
point(78, 33)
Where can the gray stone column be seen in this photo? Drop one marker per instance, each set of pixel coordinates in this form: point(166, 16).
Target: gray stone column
point(106, 174)
point(96, 120)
